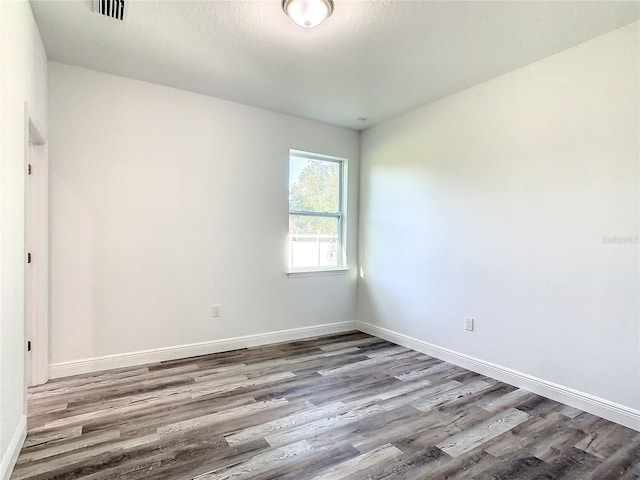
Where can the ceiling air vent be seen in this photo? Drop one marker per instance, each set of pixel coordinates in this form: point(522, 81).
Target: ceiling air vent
point(110, 8)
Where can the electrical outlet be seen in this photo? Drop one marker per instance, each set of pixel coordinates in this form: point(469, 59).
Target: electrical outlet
point(216, 311)
point(468, 323)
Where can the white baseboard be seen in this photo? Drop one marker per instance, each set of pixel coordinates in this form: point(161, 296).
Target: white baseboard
point(589, 403)
point(10, 456)
point(107, 362)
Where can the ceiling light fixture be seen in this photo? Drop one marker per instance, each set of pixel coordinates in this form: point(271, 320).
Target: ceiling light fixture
point(308, 13)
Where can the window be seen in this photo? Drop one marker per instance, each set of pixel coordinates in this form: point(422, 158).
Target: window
point(316, 212)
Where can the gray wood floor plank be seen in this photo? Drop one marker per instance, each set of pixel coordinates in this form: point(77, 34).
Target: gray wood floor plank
point(69, 446)
point(219, 417)
point(309, 466)
point(479, 434)
point(605, 441)
point(431, 370)
point(49, 437)
point(286, 423)
point(353, 468)
point(263, 461)
point(621, 463)
point(448, 395)
point(318, 426)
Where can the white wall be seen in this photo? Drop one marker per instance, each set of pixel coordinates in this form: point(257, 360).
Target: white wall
point(23, 67)
point(165, 202)
point(494, 202)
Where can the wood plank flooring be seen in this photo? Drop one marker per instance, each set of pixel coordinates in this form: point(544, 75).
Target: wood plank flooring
point(337, 407)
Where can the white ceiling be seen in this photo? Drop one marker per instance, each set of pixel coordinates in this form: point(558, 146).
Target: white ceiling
point(370, 58)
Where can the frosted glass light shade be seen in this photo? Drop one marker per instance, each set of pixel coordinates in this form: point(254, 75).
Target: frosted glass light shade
point(308, 13)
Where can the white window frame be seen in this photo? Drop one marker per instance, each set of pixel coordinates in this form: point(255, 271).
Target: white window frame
point(341, 216)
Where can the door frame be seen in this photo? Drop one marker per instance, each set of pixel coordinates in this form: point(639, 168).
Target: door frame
point(36, 241)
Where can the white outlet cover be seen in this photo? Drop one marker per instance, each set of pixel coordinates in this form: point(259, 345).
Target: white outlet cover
point(468, 323)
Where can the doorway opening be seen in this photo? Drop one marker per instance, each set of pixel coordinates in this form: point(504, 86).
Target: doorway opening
point(37, 254)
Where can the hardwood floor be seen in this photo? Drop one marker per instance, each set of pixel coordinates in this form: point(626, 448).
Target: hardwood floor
point(337, 407)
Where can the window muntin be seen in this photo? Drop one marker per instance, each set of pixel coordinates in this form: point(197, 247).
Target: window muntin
point(316, 212)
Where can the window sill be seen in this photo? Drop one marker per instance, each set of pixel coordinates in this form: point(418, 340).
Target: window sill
point(317, 273)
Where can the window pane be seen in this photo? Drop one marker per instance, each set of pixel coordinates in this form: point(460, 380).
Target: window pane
point(313, 241)
point(314, 185)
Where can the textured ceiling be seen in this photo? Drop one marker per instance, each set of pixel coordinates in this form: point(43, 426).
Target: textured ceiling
point(370, 58)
